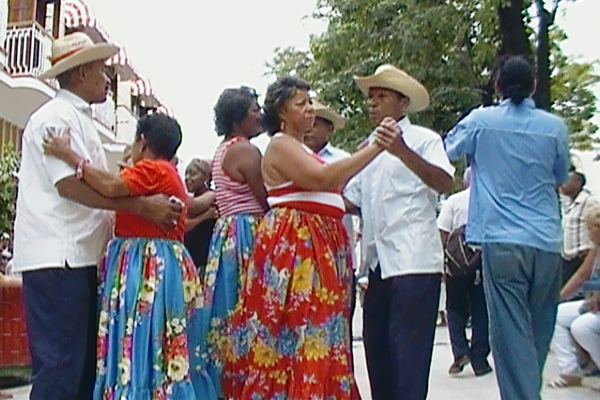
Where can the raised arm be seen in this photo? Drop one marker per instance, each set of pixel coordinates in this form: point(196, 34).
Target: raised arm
point(583, 273)
point(289, 161)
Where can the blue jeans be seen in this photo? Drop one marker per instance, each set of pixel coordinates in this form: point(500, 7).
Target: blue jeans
point(464, 297)
point(522, 287)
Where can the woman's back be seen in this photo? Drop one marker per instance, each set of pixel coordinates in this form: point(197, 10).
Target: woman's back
point(146, 178)
point(232, 197)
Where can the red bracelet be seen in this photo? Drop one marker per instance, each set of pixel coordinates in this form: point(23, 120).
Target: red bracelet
point(79, 171)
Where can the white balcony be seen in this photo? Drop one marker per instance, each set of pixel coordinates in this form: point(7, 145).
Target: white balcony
point(126, 125)
point(28, 46)
point(3, 26)
point(105, 113)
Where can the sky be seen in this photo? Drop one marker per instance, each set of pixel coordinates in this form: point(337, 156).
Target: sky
point(192, 50)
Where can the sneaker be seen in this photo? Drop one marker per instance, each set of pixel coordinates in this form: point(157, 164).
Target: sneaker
point(458, 365)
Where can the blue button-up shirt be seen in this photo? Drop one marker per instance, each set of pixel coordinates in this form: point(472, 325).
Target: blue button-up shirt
point(519, 154)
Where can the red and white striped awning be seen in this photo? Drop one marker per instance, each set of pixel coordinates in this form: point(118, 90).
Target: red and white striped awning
point(163, 109)
point(78, 13)
point(122, 65)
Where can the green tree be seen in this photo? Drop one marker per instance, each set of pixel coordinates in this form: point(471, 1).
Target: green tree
point(451, 47)
point(9, 163)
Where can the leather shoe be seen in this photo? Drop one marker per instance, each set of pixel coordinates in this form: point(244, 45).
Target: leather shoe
point(458, 365)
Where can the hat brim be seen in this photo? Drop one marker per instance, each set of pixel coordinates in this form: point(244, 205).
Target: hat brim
point(406, 85)
point(337, 120)
point(101, 51)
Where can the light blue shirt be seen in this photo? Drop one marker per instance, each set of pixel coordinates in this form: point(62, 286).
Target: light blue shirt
point(518, 154)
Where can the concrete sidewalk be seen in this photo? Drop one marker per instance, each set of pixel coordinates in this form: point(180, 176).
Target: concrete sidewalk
point(442, 386)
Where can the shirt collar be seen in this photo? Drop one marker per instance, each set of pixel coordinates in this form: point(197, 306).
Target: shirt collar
point(77, 101)
point(581, 197)
point(326, 150)
point(528, 102)
point(404, 124)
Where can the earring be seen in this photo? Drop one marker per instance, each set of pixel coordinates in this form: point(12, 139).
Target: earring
point(282, 126)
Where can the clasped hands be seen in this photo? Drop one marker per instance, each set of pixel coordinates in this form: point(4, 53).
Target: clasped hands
point(388, 136)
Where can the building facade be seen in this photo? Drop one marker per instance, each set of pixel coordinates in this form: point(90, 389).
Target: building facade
point(27, 31)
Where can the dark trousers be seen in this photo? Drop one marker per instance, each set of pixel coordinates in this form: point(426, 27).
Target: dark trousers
point(569, 267)
point(464, 297)
point(399, 329)
point(61, 315)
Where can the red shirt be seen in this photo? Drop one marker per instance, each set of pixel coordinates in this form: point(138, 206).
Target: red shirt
point(146, 178)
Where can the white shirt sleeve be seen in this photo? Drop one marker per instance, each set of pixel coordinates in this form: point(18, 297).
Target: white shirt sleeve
point(435, 154)
point(353, 190)
point(446, 217)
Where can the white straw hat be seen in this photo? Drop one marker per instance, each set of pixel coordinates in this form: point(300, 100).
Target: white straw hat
point(74, 50)
point(327, 113)
point(389, 77)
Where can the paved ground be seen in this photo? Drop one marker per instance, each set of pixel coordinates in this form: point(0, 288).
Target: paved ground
point(442, 386)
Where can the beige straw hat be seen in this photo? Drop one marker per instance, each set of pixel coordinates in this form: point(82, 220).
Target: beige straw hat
point(74, 50)
point(389, 77)
point(327, 113)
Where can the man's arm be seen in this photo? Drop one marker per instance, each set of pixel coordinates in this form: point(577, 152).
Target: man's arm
point(582, 274)
point(434, 177)
point(156, 208)
point(444, 235)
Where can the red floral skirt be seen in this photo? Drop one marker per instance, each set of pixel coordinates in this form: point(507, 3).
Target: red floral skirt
point(289, 336)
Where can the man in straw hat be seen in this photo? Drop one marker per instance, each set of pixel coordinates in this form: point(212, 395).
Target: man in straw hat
point(62, 228)
point(397, 195)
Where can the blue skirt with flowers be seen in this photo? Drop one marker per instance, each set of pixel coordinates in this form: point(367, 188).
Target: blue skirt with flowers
point(149, 328)
point(224, 278)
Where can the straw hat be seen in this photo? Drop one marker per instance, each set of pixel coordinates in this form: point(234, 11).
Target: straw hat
point(74, 50)
point(389, 77)
point(327, 113)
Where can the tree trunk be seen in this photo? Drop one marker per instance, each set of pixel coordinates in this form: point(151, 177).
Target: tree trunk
point(512, 29)
point(542, 92)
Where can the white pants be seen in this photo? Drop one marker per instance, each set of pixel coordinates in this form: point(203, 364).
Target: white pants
point(574, 328)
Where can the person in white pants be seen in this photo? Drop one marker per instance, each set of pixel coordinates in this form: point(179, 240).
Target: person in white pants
point(578, 322)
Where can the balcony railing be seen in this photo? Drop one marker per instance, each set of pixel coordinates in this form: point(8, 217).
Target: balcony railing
point(126, 124)
point(28, 46)
point(3, 26)
point(105, 113)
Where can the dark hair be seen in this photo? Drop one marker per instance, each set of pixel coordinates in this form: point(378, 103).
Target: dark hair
point(162, 133)
point(580, 178)
point(515, 78)
point(232, 107)
point(278, 93)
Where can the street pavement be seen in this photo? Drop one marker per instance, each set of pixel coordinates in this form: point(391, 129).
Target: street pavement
point(442, 386)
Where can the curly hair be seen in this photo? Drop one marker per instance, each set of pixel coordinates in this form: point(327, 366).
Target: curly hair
point(204, 166)
point(279, 93)
point(232, 107)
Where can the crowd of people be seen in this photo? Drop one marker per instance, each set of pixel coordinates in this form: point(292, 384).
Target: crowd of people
point(240, 282)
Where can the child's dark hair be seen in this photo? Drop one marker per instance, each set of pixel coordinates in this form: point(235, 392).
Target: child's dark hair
point(162, 133)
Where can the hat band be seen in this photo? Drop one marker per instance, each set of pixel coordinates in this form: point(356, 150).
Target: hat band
point(66, 55)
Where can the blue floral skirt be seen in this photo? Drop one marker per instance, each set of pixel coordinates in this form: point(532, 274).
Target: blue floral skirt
point(149, 328)
point(225, 276)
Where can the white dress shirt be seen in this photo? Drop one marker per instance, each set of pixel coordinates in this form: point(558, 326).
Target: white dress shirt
point(399, 210)
point(51, 231)
point(455, 211)
point(331, 154)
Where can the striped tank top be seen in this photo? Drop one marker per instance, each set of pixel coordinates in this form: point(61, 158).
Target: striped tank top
point(232, 197)
point(289, 195)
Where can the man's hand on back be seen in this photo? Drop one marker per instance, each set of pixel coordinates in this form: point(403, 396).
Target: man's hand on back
point(160, 210)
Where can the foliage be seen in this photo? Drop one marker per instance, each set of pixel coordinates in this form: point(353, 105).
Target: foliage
point(9, 163)
point(450, 46)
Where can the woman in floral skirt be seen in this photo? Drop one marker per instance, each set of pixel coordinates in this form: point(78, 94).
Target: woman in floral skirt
point(289, 338)
point(241, 203)
point(148, 336)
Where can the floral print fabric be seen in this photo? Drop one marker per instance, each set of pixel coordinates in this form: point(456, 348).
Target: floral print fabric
point(289, 337)
point(229, 254)
point(148, 336)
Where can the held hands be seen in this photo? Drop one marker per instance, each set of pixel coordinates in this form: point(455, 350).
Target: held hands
point(57, 143)
point(388, 135)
